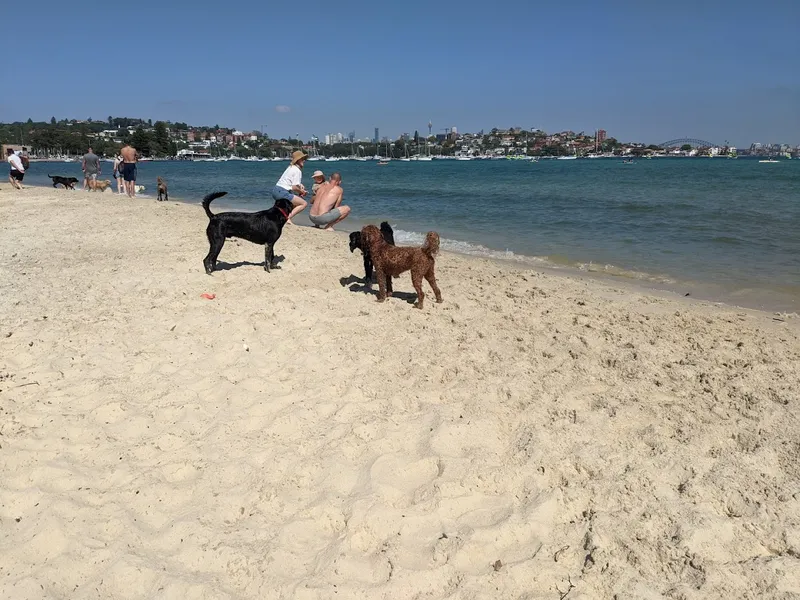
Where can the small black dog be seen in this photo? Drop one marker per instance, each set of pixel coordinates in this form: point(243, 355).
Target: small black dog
point(263, 227)
point(355, 242)
point(67, 182)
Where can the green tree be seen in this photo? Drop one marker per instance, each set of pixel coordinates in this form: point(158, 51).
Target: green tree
point(52, 120)
point(141, 141)
point(149, 122)
point(110, 121)
point(686, 147)
point(160, 139)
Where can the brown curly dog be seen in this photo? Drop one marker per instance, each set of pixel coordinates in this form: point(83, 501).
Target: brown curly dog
point(390, 261)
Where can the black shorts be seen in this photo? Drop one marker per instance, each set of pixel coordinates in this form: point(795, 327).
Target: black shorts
point(18, 175)
point(129, 171)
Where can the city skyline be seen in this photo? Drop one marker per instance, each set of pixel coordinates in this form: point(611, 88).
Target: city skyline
point(645, 72)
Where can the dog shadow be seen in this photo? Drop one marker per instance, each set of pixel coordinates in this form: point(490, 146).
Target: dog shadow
point(223, 266)
point(360, 285)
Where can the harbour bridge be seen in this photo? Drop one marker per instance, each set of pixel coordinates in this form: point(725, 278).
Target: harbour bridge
point(691, 141)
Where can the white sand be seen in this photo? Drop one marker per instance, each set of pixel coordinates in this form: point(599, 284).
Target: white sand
point(295, 439)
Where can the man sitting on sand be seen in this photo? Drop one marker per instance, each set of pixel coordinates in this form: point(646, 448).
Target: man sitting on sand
point(328, 209)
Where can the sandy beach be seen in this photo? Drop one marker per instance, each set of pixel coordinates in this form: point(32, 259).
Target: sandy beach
point(535, 436)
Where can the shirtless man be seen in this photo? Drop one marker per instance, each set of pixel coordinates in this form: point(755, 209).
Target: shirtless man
point(328, 209)
point(129, 169)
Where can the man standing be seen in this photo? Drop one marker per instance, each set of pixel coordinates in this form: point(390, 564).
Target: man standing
point(17, 172)
point(328, 209)
point(129, 158)
point(91, 169)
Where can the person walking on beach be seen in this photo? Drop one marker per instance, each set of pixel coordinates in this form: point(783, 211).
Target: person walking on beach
point(91, 169)
point(328, 209)
point(118, 173)
point(290, 186)
point(17, 172)
point(129, 158)
point(319, 179)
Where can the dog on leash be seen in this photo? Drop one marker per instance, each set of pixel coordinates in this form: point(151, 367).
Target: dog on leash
point(100, 185)
point(67, 182)
point(391, 261)
point(355, 242)
point(263, 227)
point(162, 189)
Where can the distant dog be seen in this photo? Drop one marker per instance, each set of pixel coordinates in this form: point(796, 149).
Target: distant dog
point(264, 227)
point(101, 185)
point(355, 242)
point(162, 189)
point(391, 261)
point(67, 182)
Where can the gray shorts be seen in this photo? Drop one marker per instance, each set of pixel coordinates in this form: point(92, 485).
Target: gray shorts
point(90, 175)
point(327, 218)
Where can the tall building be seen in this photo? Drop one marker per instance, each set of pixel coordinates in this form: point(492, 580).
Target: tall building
point(377, 136)
point(601, 136)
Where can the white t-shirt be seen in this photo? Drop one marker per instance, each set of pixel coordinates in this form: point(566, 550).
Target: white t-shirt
point(16, 163)
point(291, 176)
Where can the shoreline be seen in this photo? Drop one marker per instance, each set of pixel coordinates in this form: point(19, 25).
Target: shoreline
point(760, 299)
point(752, 298)
point(293, 437)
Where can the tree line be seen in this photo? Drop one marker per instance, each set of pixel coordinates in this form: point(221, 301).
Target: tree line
point(65, 138)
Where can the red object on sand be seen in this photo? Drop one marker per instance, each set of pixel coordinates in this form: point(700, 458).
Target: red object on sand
point(208, 296)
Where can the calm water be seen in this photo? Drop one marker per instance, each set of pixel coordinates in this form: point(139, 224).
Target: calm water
point(721, 229)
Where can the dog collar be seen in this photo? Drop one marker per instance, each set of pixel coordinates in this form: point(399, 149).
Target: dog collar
point(283, 212)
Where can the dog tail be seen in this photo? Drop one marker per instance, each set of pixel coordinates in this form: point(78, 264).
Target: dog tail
point(208, 200)
point(431, 245)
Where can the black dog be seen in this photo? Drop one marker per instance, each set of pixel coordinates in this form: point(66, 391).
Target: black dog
point(264, 227)
point(355, 242)
point(67, 182)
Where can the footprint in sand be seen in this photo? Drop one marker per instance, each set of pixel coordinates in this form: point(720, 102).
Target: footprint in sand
point(396, 477)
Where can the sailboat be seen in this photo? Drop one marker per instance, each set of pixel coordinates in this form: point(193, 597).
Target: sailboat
point(427, 156)
point(359, 156)
point(406, 158)
point(315, 155)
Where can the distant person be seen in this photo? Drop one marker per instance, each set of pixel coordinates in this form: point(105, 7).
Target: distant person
point(17, 172)
point(129, 158)
point(290, 186)
point(118, 174)
point(91, 169)
point(328, 210)
point(319, 179)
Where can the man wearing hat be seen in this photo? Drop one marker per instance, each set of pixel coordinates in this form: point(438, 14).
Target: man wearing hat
point(319, 179)
point(290, 186)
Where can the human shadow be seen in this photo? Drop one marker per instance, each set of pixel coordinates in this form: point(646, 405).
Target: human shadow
point(360, 285)
point(224, 266)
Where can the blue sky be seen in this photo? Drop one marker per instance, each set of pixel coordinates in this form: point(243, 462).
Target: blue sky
point(642, 70)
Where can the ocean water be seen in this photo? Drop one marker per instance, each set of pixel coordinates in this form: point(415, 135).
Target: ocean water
point(720, 229)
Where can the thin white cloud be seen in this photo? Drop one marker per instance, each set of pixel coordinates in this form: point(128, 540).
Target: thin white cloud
point(282, 108)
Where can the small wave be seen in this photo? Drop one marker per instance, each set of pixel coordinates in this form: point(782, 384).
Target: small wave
point(413, 238)
point(607, 269)
point(725, 239)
